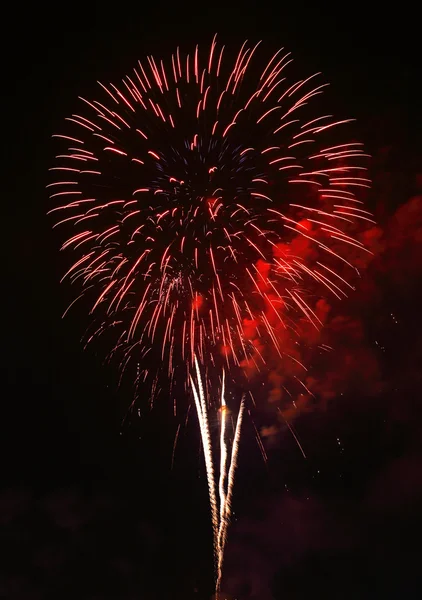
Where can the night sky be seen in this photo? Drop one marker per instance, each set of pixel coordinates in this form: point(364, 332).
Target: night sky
point(91, 512)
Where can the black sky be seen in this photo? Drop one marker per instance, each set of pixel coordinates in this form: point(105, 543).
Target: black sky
point(88, 513)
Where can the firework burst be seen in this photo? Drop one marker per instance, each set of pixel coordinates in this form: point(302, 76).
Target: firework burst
point(210, 207)
point(184, 186)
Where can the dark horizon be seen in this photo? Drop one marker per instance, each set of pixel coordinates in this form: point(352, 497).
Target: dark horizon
point(89, 510)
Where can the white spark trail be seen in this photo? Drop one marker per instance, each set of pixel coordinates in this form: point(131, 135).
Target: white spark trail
point(201, 409)
point(227, 506)
point(220, 515)
point(223, 450)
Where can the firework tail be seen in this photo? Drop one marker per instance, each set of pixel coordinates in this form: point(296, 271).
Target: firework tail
point(201, 409)
point(223, 452)
point(220, 516)
point(227, 505)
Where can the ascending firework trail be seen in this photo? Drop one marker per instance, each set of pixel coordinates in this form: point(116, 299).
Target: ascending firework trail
point(221, 517)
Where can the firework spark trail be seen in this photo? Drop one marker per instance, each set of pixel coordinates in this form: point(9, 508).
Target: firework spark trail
point(228, 501)
point(299, 445)
point(223, 450)
point(201, 409)
point(174, 445)
point(220, 518)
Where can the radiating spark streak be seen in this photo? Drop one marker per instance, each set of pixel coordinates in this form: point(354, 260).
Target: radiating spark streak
point(293, 434)
point(174, 446)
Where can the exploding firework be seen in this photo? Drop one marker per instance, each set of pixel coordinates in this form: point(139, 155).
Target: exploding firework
point(210, 209)
point(185, 188)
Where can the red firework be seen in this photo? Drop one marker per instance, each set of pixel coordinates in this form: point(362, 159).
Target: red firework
point(210, 209)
